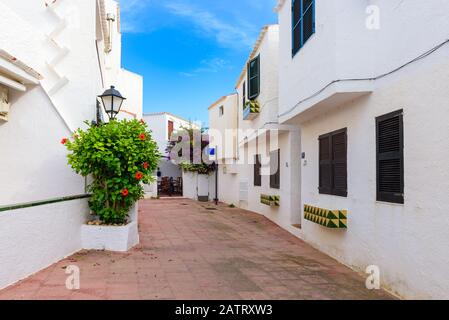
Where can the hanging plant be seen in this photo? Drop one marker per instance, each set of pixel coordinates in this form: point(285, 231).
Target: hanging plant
point(188, 164)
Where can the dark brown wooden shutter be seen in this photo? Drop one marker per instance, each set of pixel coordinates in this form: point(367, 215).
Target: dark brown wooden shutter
point(325, 185)
point(171, 128)
point(275, 163)
point(339, 164)
point(257, 168)
point(333, 163)
point(390, 157)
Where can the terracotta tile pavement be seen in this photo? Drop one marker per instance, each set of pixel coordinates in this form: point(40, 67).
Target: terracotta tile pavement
point(189, 252)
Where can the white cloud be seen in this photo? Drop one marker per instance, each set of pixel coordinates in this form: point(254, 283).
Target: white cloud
point(225, 33)
point(129, 6)
point(131, 14)
point(213, 65)
point(228, 26)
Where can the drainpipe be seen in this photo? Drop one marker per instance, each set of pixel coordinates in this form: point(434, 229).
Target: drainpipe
point(216, 176)
point(237, 151)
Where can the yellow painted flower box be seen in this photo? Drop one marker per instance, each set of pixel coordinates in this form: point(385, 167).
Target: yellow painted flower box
point(333, 219)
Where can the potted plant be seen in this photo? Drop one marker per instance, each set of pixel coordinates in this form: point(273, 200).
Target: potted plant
point(119, 157)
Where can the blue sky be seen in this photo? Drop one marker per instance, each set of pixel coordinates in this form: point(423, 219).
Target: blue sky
point(190, 52)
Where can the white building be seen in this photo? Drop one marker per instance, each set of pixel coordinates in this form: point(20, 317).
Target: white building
point(257, 132)
point(358, 92)
point(361, 109)
point(223, 118)
point(163, 125)
point(56, 57)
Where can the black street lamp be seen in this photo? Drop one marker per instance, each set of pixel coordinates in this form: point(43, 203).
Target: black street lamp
point(112, 101)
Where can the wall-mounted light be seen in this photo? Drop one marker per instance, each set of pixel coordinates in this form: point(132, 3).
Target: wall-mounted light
point(112, 101)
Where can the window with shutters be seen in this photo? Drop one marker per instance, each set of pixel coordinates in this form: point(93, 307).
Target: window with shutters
point(257, 169)
point(171, 129)
point(303, 23)
point(390, 157)
point(244, 95)
point(275, 177)
point(333, 163)
point(254, 78)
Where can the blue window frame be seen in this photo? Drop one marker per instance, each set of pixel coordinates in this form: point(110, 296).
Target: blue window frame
point(303, 23)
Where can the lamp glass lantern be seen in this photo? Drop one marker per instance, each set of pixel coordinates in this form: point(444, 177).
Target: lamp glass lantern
point(112, 101)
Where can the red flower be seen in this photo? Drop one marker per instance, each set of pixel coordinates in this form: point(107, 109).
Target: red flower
point(125, 192)
point(146, 165)
point(139, 175)
point(142, 136)
point(64, 141)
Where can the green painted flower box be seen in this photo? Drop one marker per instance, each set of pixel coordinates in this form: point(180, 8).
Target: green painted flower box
point(333, 219)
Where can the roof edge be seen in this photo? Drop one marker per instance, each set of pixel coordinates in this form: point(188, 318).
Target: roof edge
point(256, 47)
point(220, 100)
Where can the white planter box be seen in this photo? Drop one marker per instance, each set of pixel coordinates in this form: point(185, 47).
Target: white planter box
point(110, 238)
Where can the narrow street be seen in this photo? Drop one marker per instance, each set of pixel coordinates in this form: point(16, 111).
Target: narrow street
point(189, 251)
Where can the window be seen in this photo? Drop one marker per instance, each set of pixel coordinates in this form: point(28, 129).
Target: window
point(257, 175)
point(221, 111)
point(275, 164)
point(171, 128)
point(244, 94)
point(333, 163)
point(254, 78)
point(303, 22)
point(390, 157)
point(4, 103)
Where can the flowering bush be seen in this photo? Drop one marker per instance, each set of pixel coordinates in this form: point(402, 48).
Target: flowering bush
point(119, 156)
point(194, 159)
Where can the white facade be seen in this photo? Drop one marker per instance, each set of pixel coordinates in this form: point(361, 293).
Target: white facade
point(198, 186)
point(407, 242)
point(352, 70)
point(236, 177)
point(55, 59)
point(159, 124)
point(223, 121)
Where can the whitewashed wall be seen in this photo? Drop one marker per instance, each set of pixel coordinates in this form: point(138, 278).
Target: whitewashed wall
point(76, 100)
point(194, 185)
point(158, 124)
point(34, 238)
point(289, 213)
point(408, 242)
point(268, 98)
point(228, 186)
point(131, 87)
point(33, 165)
point(344, 48)
point(221, 125)
point(33, 162)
